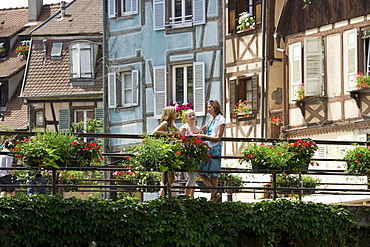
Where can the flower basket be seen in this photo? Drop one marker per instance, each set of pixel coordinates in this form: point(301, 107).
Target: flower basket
point(242, 108)
point(246, 21)
point(169, 153)
point(56, 150)
point(279, 157)
point(362, 80)
point(358, 160)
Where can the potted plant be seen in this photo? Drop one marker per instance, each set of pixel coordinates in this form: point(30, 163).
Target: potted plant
point(181, 109)
point(2, 51)
point(362, 80)
point(358, 160)
point(242, 108)
point(169, 153)
point(245, 21)
point(56, 149)
point(236, 181)
point(22, 50)
point(280, 156)
point(276, 121)
point(293, 181)
point(299, 94)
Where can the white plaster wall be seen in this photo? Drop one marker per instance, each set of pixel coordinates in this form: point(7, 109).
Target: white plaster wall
point(295, 117)
point(334, 110)
point(350, 109)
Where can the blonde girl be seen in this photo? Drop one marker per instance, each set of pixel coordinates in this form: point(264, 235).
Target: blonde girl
point(190, 129)
point(167, 126)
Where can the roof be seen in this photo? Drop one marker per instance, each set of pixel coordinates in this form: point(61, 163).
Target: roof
point(16, 114)
point(11, 65)
point(12, 21)
point(52, 77)
point(82, 17)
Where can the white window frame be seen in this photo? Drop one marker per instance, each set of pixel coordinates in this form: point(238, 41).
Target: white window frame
point(116, 89)
point(113, 8)
point(160, 88)
point(82, 60)
point(163, 14)
point(183, 19)
point(185, 80)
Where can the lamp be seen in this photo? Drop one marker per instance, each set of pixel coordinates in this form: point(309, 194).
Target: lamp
point(2, 117)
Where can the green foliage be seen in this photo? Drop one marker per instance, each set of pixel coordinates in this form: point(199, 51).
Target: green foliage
point(56, 149)
point(169, 153)
point(92, 126)
point(34, 221)
point(358, 160)
point(280, 156)
point(293, 180)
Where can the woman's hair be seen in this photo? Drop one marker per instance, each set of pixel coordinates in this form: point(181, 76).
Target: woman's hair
point(167, 115)
point(216, 105)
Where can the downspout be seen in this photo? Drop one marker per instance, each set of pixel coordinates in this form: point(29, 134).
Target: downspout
point(23, 85)
point(105, 89)
point(262, 100)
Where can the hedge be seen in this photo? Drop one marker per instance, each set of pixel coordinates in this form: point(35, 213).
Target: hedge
point(53, 221)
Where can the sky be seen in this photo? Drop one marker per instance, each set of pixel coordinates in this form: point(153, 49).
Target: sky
point(4, 4)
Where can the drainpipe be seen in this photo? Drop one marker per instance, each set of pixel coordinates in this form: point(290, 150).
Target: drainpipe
point(262, 100)
point(105, 90)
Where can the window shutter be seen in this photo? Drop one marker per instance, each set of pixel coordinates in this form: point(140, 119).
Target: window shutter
point(295, 68)
point(232, 94)
point(98, 113)
point(199, 87)
point(86, 61)
point(199, 12)
point(255, 93)
point(134, 6)
point(350, 58)
point(112, 90)
point(64, 119)
point(159, 14)
point(75, 61)
point(313, 66)
point(135, 87)
point(159, 90)
point(111, 8)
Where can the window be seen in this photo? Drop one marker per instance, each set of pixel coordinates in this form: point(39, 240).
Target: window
point(187, 84)
point(242, 89)
point(178, 13)
point(236, 7)
point(350, 58)
point(123, 89)
point(39, 118)
point(3, 94)
point(83, 59)
point(78, 116)
point(117, 8)
point(313, 67)
point(56, 50)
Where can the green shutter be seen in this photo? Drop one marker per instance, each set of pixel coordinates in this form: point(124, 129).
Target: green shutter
point(65, 120)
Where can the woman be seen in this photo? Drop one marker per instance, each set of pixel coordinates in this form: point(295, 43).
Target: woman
point(214, 130)
point(167, 126)
point(190, 129)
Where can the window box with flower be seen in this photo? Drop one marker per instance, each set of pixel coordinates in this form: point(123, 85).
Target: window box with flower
point(242, 109)
point(22, 51)
point(280, 156)
point(246, 21)
point(276, 121)
point(2, 51)
point(56, 150)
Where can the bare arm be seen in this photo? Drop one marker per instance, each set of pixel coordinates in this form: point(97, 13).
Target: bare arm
point(220, 132)
point(161, 129)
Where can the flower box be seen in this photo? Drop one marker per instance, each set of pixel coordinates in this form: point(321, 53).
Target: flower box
point(280, 156)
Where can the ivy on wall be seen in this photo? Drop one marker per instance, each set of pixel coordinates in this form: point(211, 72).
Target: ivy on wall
point(52, 221)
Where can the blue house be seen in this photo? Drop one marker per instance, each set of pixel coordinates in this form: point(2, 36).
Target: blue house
point(160, 52)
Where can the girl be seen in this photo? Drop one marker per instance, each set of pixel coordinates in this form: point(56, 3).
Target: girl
point(190, 129)
point(214, 130)
point(167, 126)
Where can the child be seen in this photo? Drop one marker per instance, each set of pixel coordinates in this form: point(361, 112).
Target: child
point(167, 126)
point(190, 129)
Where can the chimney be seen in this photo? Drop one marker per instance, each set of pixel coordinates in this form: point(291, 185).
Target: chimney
point(34, 9)
point(63, 5)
